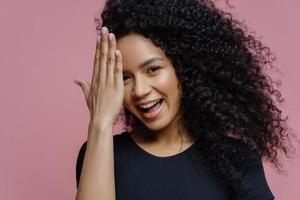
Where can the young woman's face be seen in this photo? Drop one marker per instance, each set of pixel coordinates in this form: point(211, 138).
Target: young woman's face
point(149, 76)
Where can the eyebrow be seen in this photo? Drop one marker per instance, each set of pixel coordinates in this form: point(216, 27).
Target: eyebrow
point(147, 62)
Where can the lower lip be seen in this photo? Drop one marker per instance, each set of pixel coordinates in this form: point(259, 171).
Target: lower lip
point(153, 114)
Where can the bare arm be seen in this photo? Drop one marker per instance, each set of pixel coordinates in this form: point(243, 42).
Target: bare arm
point(104, 98)
point(97, 179)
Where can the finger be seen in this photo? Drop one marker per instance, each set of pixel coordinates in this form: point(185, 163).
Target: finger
point(111, 59)
point(103, 56)
point(119, 70)
point(95, 76)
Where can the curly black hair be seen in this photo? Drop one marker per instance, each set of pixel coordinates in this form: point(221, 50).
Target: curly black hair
point(228, 100)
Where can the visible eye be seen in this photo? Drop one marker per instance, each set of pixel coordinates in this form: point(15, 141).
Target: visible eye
point(153, 68)
point(125, 78)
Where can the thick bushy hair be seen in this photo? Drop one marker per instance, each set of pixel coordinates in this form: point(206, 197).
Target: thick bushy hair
point(227, 97)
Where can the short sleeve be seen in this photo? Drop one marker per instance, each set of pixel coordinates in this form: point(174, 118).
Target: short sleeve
point(255, 185)
point(79, 162)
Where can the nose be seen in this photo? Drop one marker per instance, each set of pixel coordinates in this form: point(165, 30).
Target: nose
point(141, 88)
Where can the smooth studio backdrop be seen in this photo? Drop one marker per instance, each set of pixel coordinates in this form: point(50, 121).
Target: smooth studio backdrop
point(45, 45)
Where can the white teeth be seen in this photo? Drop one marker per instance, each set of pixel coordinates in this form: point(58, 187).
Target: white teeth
point(150, 104)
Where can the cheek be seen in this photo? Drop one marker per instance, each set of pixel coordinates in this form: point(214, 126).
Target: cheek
point(168, 83)
point(127, 103)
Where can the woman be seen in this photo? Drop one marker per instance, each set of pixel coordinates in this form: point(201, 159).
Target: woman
point(201, 108)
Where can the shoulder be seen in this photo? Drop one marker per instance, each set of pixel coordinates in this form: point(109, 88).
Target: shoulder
point(250, 166)
point(254, 183)
point(242, 153)
point(118, 140)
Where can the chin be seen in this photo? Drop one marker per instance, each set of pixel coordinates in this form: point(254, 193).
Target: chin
point(155, 125)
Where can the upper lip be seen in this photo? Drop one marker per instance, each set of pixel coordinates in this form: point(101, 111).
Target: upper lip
point(144, 103)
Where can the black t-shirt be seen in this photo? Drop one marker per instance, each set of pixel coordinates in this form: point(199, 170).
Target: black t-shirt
point(140, 175)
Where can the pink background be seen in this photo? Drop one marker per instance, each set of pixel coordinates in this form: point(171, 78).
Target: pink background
point(45, 45)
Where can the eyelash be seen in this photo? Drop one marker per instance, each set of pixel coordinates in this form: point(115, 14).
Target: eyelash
point(155, 68)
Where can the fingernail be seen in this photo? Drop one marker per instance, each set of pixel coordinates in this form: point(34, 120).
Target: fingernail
point(76, 81)
point(104, 30)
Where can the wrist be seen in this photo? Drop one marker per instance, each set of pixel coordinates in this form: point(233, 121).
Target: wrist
point(96, 125)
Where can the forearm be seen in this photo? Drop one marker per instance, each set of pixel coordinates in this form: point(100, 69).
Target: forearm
point(97, 181)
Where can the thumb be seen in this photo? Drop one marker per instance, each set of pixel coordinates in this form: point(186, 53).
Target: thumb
point(85, 86)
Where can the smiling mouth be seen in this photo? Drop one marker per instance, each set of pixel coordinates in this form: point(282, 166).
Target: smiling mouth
point(153, 111)
point(152, 107)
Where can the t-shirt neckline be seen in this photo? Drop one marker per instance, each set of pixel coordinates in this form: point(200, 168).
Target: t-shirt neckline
point(160, 157)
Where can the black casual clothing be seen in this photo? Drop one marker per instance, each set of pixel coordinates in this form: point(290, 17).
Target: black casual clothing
point(140, 175)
